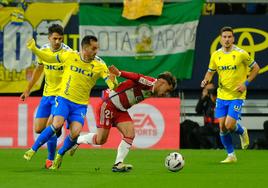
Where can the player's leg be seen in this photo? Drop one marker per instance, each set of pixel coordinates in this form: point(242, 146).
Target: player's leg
point(98, 138)
point(104, 122)
point(69, 142)
point(226, 139)
point(128, 132)
point(43, 119)
point(76, 119)
point(42, 115)
point(235, 113)
point(51, 145)
point(125, 125)
point(221, 112)
point(45, 135)
point(60, 115)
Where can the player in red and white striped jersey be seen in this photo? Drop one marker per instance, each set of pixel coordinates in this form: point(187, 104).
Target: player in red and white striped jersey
point(113, 110)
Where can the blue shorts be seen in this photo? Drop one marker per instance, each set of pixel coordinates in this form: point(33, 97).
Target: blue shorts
point(46, 107)
point(231, 108)
point(70, 111)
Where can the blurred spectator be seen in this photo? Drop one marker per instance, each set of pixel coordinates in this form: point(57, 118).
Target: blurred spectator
point(223, 8)
point(209, 133)
point(240, 8)
point(255, 8)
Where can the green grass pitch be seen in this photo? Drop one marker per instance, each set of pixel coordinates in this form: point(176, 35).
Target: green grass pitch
point(92, 168)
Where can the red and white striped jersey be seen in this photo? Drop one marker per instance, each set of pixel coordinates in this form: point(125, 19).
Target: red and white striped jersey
point(130, 92)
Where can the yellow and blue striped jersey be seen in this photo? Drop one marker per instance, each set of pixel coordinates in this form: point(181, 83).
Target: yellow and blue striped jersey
point(53, 73)
point(79, 76)
point(232, 68)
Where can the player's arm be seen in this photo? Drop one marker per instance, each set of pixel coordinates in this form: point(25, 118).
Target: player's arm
point(211, 71)
point(253, 73)
point(109, 78)
point(124, 74)
point(208, 77)
point(46, 57)
point(36, 75)
point(112, 77)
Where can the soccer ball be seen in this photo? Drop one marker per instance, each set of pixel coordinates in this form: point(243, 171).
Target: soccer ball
point(174, 161)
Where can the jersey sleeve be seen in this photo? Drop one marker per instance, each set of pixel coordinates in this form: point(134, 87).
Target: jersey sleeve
point(105, 76)
point(39, 61)
point(247, 59)
point(63, 56)
point(212, 65)
point(141, 79)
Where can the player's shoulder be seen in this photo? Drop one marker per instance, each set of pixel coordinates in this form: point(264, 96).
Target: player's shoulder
point(70, 51)
point(99, 60)
point(239, 50)
point(45, 47)
point(65, 47)
point(217, 52)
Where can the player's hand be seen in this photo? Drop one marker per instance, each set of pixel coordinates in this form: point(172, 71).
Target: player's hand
point(24, 95)
point(112, 77)
point(114, 70)
point(241, 88)
point(31, 44)
point(204, 83)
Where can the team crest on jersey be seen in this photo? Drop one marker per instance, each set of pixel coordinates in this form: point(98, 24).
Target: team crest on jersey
point(145, 81)
point(233, 57)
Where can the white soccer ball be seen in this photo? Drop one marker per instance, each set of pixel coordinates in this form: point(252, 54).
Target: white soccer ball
point(174, 161)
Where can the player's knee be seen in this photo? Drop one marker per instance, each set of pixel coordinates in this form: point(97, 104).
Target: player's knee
point(38, 129)
point(129, 140)
point(100, 140)
point(229, 126)
point(58, 133)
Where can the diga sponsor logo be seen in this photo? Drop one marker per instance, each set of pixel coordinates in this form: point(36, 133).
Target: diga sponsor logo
point(230, 67)
point(246, 39)
point(54, 67)
point(81, 71)
point(149, 125)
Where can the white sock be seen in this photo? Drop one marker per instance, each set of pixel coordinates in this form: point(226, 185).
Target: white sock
point(86, 138)
point(122, 151)
point(231, 154)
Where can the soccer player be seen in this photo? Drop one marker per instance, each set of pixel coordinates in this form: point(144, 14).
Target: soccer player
point(53, 75)
point(81, 72)
point(231, 63)
point(113, 110)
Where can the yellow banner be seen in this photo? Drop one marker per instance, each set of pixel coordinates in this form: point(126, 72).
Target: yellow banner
point(16, 28)
point(134, 9)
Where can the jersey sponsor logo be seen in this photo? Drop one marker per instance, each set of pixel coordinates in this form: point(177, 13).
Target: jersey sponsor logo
point(53, 67)
point(229, 67)
point(145, 81)
point(81, 71)
point(148, 131)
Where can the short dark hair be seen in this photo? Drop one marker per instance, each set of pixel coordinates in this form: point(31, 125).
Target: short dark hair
point(87, 39)
point(55, 28)
point(169, 78)
point(226, 28)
